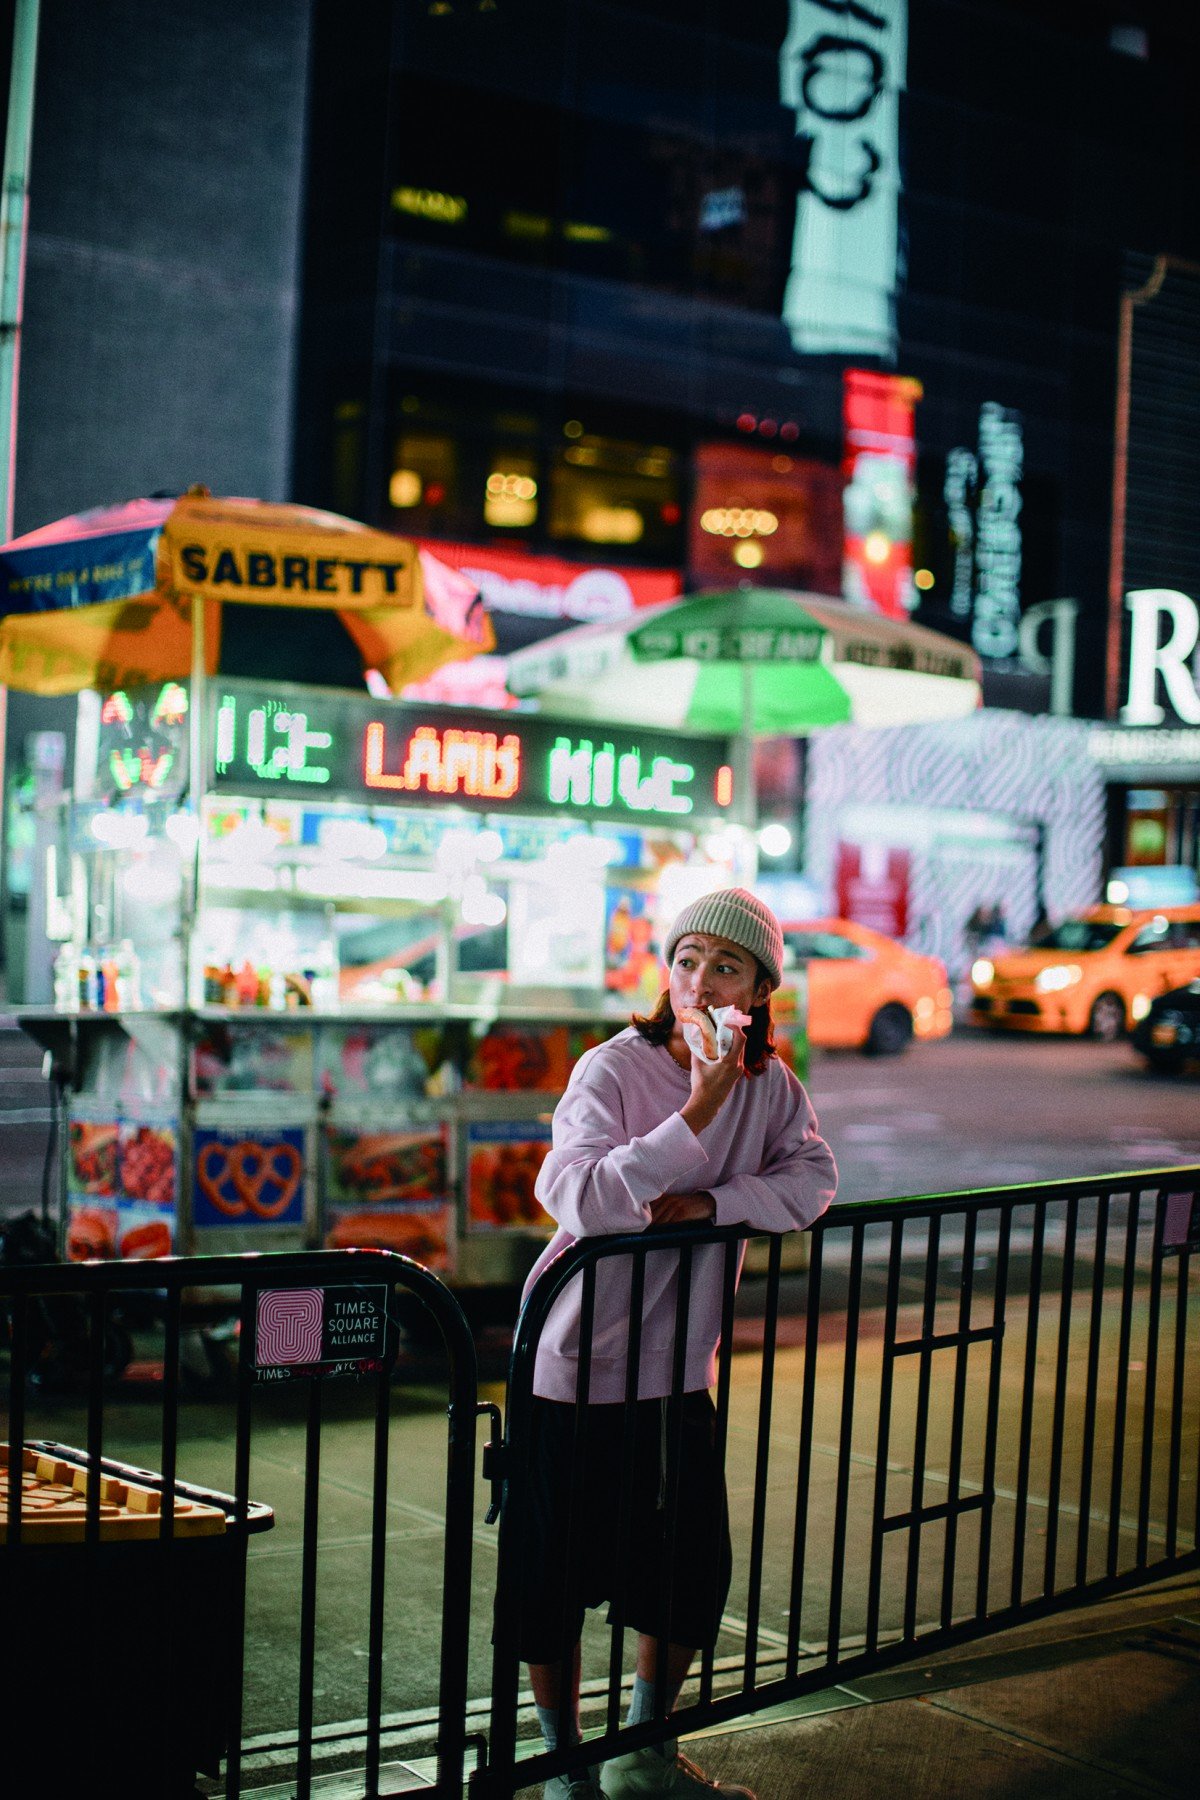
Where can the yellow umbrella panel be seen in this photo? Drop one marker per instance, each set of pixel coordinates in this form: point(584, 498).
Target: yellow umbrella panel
point(406, 614)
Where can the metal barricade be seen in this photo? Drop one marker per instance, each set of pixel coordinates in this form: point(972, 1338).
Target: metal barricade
point(969, 1410)
point(974, 1409)
point(299, 1320)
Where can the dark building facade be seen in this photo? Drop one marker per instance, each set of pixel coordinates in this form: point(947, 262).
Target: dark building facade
point(166, 180)
point(550, 246)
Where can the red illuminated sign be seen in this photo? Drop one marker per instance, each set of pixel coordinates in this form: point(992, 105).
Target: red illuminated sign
point(872, 885)
point(513, 581)
point(477, 764)
point(879, 463)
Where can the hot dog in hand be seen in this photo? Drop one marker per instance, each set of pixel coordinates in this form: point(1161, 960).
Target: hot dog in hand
point(698, 1022)
point(707, 1030)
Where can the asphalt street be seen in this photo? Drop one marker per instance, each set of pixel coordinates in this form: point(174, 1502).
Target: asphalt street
point(980, 1111)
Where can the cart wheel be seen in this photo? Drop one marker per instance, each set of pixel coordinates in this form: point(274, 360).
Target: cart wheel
point(891, 1031)
point(1108, 1018)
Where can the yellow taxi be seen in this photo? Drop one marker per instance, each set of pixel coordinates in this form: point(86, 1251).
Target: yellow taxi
point(865, 991)
point(1096, 974)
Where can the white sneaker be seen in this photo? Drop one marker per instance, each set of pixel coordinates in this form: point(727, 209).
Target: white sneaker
point(648, 1772)
point(561, 1787)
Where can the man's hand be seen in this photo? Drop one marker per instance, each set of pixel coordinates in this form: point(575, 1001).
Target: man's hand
point(683, 1209)
point(712, 1083)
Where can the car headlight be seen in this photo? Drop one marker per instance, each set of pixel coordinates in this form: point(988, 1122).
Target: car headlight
point(1058, 975)
point(1139, 1006)
point(982, 972)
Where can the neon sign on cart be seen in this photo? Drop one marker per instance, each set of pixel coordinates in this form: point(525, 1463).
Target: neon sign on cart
point(365, 749)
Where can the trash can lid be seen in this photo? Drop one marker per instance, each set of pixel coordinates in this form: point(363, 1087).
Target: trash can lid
point(54, 1505)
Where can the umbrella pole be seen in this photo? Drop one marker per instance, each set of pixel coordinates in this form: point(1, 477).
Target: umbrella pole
point(197, 701)
point(745, 796)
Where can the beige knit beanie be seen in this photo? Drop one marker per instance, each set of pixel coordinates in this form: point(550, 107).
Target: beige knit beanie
point(735, 914)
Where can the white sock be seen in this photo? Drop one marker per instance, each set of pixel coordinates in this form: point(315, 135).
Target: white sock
point(641, 1711)
point(641, 1702)
point(547, 1717)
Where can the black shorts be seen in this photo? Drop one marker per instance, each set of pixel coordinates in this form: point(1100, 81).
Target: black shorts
point(677, 1589)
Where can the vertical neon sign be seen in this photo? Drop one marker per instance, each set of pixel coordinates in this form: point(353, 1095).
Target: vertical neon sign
point(270, 759)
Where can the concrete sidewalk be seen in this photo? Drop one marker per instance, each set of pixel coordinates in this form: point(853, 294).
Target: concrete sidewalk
point(1103, 1701)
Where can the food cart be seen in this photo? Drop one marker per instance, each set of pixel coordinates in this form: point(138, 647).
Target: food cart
point(330, 991)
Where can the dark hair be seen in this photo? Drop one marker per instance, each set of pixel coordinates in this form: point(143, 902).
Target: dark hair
point(656, 1027)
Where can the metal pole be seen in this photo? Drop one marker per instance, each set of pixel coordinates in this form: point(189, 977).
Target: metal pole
point(14, 220)
point(197, 776)
point(744, 798)
point(13, 228)
point(1116, 542)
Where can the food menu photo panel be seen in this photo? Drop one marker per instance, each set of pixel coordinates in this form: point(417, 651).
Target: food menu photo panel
point(248, 1175)
point(390, 1189)
point(519, 1058)
point(122, 1184)
point(230, 1060)
point(369, 1063)
point(502, 1163)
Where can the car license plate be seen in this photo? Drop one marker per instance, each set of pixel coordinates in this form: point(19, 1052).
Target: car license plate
point(1163, 1034)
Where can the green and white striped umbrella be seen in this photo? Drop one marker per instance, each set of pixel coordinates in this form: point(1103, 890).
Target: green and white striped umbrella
point(758, 660)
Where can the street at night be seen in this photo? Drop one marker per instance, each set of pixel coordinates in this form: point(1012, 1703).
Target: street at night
point(977, 1111)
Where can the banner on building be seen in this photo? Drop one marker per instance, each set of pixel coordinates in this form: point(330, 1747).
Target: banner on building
point(841, 71)
point(528, 598)
point(879, 465)
point(546, 587)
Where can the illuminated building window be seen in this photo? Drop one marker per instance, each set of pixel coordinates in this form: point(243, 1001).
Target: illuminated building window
point(405, 488)
point(510, 495)
point(424, 474)
point(608, 490)
point(576, 231)
point(612, 525)
point(758, 509)
point(535, 227)
point(429, 203)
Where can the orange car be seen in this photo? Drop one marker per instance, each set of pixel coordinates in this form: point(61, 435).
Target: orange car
point(865, 991)
point(1096, 974)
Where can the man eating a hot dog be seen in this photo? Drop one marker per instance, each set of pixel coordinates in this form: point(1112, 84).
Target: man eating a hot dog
point(655, 1129)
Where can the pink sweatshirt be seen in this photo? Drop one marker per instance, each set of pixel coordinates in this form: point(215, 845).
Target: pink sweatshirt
point(620, 1143)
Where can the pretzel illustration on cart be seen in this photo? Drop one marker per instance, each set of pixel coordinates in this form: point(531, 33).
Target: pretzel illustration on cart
point(264, 1178)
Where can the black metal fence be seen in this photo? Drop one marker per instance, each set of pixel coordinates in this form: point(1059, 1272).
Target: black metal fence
point(123, 1622)
point(972, 1409)
point(967, 1410)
